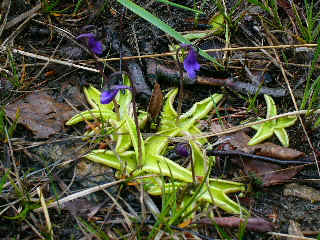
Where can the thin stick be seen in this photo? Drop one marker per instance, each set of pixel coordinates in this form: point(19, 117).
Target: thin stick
point(87, 192)
point(240, 127)
point(311, 45)
point(51, 60)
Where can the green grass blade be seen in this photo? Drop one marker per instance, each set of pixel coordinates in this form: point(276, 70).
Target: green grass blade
point(3, 181)
point(307, 91)
point(179, 6)
point(163, 26)
point(77, 6)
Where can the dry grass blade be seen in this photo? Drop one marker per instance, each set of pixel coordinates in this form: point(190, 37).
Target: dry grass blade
point(121, 210)
point(51, 60)
point(5, 5)
point(22, 16)
point(46, 213)
point(80, 194)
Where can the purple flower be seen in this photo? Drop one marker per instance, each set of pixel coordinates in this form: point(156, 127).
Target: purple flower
point(182, 149)
point(190, 63)
point(93, 44)
point(107, 96)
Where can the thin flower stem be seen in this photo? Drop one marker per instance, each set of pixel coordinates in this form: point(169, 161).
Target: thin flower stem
point(180, 98)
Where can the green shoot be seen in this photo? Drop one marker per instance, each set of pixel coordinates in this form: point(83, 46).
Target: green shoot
point(163, 26)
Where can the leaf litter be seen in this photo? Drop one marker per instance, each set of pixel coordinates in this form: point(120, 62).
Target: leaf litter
point(41, 114)
point(268, 173)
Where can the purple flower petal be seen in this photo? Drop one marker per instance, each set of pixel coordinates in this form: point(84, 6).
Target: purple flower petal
point(107, 96)
point(93, 44)
point(86, 35)
point(182, 149)
point(191, 64)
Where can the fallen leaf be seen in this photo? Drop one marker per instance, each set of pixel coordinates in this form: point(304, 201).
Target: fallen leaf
point(301, 191)
point(240, 140)
point(156, 101)
point(40, 113)
point(268, 173)
point(255, 224)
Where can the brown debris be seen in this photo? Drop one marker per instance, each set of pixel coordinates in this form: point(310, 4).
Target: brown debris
point(240, 140)
point(304, 192)
point(255, 224)
point(40, 113)
point(156, 101)
point(268, 173)
point(155, 70)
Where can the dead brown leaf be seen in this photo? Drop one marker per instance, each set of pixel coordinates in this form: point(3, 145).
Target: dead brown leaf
point(240, 140)
point(268, 173)
point(285, 5)
point(40, 113)
point(156, 101)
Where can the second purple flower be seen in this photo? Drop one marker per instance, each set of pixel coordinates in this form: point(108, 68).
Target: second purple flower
point(191, 64)
point(93, 43)
point(108, 95)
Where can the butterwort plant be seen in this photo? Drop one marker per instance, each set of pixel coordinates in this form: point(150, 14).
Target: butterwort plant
point(126, 157)
point(93, 44)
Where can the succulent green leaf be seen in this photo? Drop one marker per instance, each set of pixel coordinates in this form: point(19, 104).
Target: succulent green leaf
point(285, 122)
point(91, 115)
point(108, 158)
point(142, 119)
point(275, 126)
point(217, 23)
point(219, 197)
point(123, 139)
point(198, 111)
point(163, 166)
point(198, 158)
point(93, 97)
point(271, 107)
point(156, 189)
point(282, 135)
point(169, 115)
point(264, 132)
point(131, 127)
point(157, 143)
point(193, 130)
